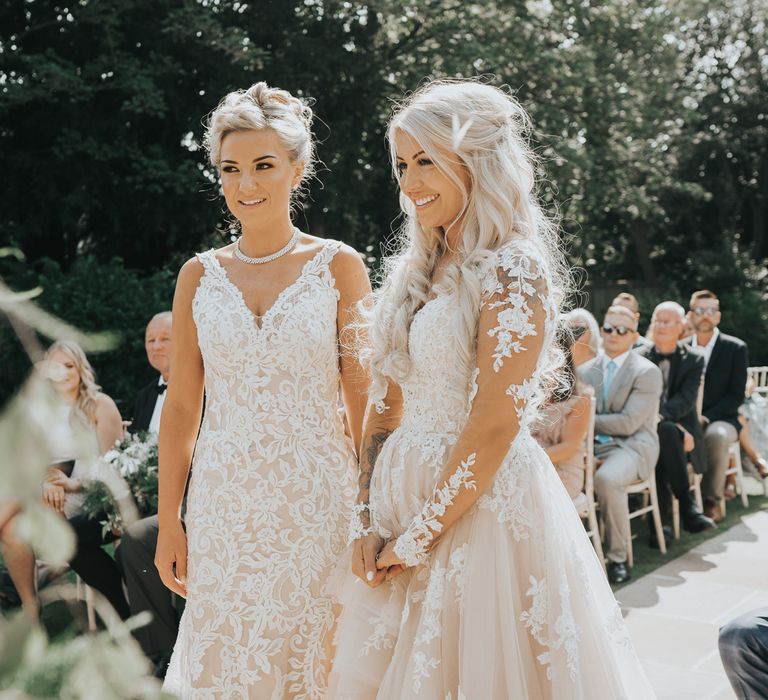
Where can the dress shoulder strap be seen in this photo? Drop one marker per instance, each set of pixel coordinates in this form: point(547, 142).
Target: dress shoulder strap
point(206, 258)
point(323, 258)
point(209, 262)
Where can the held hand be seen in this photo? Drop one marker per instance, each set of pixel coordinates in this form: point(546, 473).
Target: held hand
point(172, 551)
point(364, 554)
point(387, 557)
point(67, 483)
point(54, 496)
point(395, 571)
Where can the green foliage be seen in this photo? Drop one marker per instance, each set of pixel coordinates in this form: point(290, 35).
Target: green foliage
point(649, 118)
point(94, 296)
point(108, 665)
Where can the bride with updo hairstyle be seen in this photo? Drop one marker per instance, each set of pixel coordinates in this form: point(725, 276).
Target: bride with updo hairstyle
point(258, 326)
point(472, 575)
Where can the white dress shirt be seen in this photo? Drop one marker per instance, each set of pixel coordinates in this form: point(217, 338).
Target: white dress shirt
point(706, 350)
point(618, 360)
point(154, 423)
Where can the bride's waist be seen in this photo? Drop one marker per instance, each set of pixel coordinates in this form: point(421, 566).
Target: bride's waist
point(433, 423)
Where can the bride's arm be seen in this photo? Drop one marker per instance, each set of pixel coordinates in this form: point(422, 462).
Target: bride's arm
point(510, 340)
point(353, 285)
point(179, 425)
point(378, 427)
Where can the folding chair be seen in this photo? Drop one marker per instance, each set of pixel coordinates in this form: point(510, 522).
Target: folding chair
point(651, 505)
point(588, 509)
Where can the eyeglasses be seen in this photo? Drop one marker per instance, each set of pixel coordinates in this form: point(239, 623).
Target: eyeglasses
point(704, 310)
point(578, 331)
point(621, 330)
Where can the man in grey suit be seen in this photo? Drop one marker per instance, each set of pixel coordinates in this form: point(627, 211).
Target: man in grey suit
point(627, 389)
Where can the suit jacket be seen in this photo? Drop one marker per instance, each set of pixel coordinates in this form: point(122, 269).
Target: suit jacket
point(686, 367)
point(725, 380)
point(630, 412)
point(145, 407)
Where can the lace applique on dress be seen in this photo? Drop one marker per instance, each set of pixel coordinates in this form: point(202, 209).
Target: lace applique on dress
point(412, 546)
point(270, 491)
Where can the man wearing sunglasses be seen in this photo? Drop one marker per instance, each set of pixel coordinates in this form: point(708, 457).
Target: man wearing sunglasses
point(725, 381)
point(680, 435)
point(627, 388)
point(629, 301)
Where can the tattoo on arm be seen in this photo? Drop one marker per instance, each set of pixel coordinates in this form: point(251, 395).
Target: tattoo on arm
point(369, 455)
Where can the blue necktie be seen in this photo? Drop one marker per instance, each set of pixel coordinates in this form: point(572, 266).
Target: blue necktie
point(610, 372)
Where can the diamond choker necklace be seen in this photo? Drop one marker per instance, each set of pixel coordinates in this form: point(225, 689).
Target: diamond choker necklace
point(240, 255)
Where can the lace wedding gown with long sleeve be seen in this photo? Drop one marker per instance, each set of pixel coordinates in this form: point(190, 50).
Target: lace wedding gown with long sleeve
point(508, 601)
point(272, 481)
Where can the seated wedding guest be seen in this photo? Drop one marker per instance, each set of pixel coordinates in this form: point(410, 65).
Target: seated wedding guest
point(151, 399)
point(586, 334)
point(563, 423)
point(89, 425)
point(629, 301)
point(136, 553)
point(753, 418)
point(743, 647)
point(725, 379)
point(18, 558)
point(627, 388)
point(679, 428)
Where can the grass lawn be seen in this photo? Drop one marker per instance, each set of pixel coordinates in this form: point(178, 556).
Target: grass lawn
point(647, 559)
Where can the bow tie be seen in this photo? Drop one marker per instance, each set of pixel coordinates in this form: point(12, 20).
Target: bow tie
point(662, 356)
point(161, 388)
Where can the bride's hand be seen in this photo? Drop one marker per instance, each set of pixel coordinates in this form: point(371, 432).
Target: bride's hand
point(172, 549)
point(388, 558)
point(364, 554)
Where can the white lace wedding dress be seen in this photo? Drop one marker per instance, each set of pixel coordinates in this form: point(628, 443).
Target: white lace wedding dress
point(510, 601)
point(271, 485)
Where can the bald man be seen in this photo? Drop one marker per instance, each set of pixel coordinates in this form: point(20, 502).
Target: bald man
point(136, 553)
point(149, 404)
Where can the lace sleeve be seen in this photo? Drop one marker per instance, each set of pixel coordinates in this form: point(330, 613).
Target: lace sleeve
point(516, 318)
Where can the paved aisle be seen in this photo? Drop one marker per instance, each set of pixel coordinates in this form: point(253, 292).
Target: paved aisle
point(675, 612)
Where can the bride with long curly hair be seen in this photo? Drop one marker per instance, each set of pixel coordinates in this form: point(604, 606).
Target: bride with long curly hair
point(473, 576)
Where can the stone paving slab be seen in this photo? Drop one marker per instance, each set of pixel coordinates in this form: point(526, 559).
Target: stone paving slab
point(675, 612)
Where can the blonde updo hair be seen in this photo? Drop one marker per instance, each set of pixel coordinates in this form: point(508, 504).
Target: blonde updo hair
point(485, 130)
point(88, 390)
point(264, 107)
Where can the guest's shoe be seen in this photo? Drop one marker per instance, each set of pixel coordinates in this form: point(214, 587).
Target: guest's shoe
point(730, 487)
point(762, 468)
point(694, 521)
point(618, 571)
point(713, 510)
point(653, 540)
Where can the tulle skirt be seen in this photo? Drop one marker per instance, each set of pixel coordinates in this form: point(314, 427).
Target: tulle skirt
point(511, 603)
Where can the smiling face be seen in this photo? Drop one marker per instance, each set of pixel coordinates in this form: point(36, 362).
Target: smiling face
point(667, 326)
point(705, 315)
point(257, 176)
point(62, 371)
point(157, 343)
point(438, 199)
point(615, 344)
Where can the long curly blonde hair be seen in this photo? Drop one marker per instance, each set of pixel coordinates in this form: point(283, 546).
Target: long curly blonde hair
point(486, 130)
point(88, 390)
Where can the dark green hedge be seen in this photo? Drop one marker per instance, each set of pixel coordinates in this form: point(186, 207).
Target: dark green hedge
point(93, 297)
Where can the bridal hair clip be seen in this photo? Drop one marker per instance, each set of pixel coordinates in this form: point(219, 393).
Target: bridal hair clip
point(459, 131)
point(413, 545)
point(357, 529)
